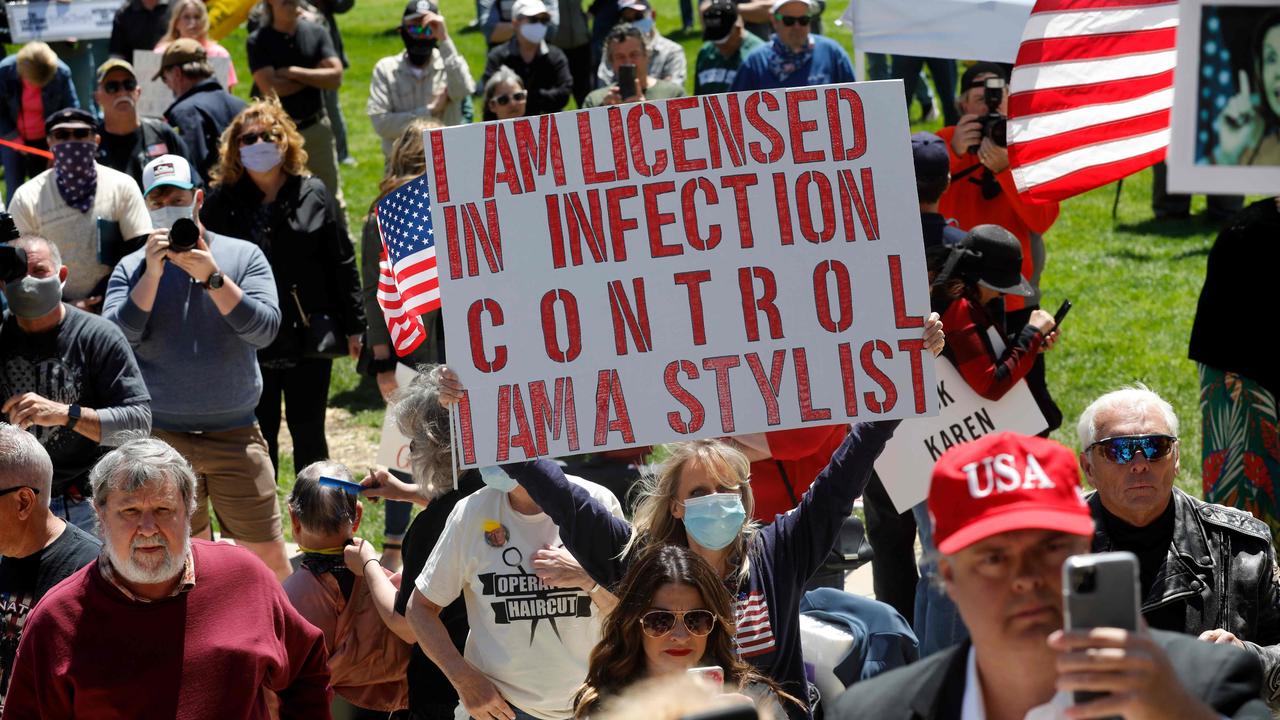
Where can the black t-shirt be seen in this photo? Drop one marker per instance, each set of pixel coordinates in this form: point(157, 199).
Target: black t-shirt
point(428, 686)
point(23, 581)
point(306, 47)
point(130, 153)
point(137, 28)
point(85, 360)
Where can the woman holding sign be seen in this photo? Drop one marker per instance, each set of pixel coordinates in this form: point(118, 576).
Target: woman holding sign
point(1248, 126)
point(701, 498)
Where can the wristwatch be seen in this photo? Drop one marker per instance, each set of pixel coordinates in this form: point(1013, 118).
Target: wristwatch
point(73, 416)
point(214, 282)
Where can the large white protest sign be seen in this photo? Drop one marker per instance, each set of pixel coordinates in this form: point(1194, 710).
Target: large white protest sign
point(49, 21)
point(907, 461)
point(393, 448)
point(660, 271)
point(156, 96)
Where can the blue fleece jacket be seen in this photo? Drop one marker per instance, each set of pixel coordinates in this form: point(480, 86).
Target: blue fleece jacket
point(201, 366)
point(828, 64)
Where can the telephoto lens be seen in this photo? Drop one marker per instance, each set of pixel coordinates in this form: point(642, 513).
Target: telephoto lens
point(183, 235)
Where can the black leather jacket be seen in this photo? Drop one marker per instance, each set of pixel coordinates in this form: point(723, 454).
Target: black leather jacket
point(1221, 571)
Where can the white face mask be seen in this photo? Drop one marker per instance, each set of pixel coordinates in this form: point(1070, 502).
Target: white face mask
point(165, 217)
point(533, 32)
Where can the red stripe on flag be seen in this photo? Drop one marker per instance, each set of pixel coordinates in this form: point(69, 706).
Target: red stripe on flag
point(1086, 179)
point(1052, 6)
point(1034, 102)
point(1096, 47)
point(1023, 154)
point(418, 267)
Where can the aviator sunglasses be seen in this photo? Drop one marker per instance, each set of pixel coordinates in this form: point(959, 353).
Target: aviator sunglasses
point(253, 138)
point(111, 87)
point(790, 20)
point(1123, 449)
point(657, 623)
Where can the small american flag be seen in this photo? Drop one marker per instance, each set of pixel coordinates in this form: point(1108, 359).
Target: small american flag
point(1090, 94)
point(754, 634)
point(408, 284)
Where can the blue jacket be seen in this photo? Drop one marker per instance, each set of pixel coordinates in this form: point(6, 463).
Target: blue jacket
point(200, 116)
point(58, 94)
point(882, 639)
point(828, 64)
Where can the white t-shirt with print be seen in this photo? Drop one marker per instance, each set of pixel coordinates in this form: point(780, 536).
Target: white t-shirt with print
point(530, 639)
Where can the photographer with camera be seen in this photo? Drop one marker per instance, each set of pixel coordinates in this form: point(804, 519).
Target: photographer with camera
point(1007, 512)
point(66, 376)
point(196, 307)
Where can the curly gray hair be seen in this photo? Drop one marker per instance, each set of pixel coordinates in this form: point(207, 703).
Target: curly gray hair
point(140, 463)
point(425, 422)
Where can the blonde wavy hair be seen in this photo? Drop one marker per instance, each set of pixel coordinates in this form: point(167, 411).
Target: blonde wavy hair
point(653, 523)
point(269, 113)
point(175, 17)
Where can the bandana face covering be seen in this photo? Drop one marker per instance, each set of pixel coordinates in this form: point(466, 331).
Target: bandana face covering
point(786, 61)
point(75, 173)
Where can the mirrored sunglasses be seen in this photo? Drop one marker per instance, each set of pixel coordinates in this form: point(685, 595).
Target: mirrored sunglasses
point(1123, 449)
point(657, 623)
point(111, 87)
point(790, 20)
point(517, 96)
point(417, 30)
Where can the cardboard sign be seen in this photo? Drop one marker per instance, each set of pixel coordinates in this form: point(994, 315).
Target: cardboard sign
point(393, 448)
point(906, 464)
point(49, 21)
point(696, 267)
point(1223, 137)
point(156, 96)
point(961, 29)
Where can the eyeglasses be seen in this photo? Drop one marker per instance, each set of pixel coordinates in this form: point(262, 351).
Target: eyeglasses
point(790, 20)
point(1121, 450)
point(657, 623)
point(517, 96)
point(417, 30)
point(65, 134)
point(16, 488)
point(252, 138)
point(111, 87)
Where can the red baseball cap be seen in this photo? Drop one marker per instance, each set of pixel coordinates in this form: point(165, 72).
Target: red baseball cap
point(1003, 482)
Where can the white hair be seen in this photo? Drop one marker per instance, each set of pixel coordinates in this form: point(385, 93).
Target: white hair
point(1132, 399)
point(24, 461)
point(144, 462)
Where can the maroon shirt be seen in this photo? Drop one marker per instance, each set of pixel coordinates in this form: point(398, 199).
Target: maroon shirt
point(213, 651)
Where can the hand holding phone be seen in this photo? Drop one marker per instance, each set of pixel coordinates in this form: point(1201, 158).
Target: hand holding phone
point(627, 81)
point(1061, 315)
point(1100, 591)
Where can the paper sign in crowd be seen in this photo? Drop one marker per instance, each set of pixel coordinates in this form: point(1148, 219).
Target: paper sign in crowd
point(664, 271)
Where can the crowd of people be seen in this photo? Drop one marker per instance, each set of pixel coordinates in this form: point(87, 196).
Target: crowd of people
point(178, 287)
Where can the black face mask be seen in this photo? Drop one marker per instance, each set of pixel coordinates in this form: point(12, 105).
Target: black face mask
point(419, 49)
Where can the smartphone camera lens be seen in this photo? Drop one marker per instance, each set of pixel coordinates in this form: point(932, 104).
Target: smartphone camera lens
point(1085, 580)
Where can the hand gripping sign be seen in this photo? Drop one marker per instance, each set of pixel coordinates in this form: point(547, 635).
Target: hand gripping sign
point(661, 271)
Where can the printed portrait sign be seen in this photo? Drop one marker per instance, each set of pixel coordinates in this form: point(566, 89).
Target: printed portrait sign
point(156, 96)
point(1226, 102)
point(49, 21)
point(963, 416)
point(661, 271)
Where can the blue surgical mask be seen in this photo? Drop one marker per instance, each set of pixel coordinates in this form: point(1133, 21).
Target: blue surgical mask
point(497, 478)
point(261, 156)
point(713, 521)
point(644, 25)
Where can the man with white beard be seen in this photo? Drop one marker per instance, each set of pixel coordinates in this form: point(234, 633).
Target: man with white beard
point(161, 625)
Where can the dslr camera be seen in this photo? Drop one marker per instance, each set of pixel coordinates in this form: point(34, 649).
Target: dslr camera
point(13, 261)
point(994, 125)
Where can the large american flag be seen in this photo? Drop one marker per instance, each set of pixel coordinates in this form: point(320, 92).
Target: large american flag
point(408, 285)
point(1090, 94)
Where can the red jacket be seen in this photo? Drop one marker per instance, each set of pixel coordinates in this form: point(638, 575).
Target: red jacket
point(963, 202)
point(800, 454)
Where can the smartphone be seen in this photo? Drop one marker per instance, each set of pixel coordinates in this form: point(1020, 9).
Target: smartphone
point(1059, 316)
point(1100, 590)
point(626, 81)
point(711, 673)
point(733, 712)
point(344, 485)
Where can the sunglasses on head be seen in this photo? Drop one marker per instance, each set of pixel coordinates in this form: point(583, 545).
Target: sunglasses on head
point(790, 20)
point(16, 488)
point(657, 623)
point(517, 96)
point(253, 138)
point(1123, 449)
point(64, 134)
point(111, 87)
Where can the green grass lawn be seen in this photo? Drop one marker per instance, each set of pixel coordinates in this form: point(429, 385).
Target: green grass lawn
point(1134, 281)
